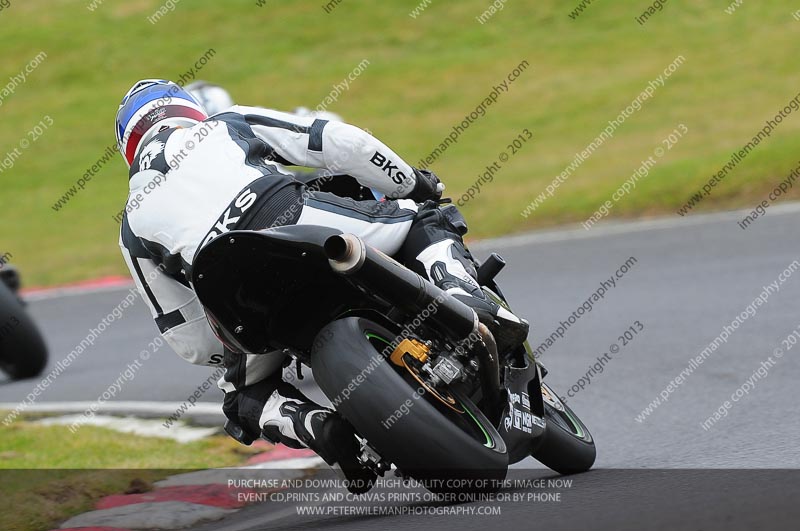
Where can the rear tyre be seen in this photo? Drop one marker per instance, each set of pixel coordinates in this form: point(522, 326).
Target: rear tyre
point(22, 350)
point(566, 446)
point(350, 364)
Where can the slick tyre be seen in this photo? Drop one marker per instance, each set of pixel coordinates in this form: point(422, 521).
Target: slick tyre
point(566, 446)
point(351, 366)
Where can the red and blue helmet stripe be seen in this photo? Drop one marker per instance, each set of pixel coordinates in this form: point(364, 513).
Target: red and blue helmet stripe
point(135, 115)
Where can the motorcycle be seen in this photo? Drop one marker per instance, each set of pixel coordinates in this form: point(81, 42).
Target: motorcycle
point(412, 369)
point(22, 350)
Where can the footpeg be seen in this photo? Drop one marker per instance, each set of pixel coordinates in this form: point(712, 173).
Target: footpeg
point(490, 268)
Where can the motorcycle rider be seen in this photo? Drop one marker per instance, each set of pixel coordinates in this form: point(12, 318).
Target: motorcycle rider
point(193, 178)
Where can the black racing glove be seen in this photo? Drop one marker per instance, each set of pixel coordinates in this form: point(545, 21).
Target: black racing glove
point(428, 187)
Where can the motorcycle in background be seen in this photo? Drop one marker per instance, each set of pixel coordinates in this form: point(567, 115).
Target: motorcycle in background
point(23, 353)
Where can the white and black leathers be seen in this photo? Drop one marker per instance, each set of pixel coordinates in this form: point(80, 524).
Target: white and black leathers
point(190, 184)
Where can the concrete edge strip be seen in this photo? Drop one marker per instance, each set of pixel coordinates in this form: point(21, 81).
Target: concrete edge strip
point(156, 515)
point(184, 503)
point(120, 407)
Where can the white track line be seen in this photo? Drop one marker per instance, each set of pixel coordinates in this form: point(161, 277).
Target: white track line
point(119, 407)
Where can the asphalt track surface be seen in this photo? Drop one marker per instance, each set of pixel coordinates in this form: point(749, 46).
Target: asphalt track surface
point(691, 277)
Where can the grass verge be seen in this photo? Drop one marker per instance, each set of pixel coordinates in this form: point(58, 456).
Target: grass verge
point(422, 79)
point(48, 475)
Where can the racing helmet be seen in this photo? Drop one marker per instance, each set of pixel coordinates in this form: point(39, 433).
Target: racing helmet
point(150, 106)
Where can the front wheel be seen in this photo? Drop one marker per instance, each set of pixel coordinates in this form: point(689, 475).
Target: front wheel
point(566, 446)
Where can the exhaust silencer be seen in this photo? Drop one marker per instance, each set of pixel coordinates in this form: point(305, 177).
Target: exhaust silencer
point(379, 274)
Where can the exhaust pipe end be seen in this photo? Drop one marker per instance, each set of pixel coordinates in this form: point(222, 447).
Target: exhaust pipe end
point(346, 253)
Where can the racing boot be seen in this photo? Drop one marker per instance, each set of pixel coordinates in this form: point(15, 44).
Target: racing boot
point(435, 249)
point(290, 418)
point(450, 271)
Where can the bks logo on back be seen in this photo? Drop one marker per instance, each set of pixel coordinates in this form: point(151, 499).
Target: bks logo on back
point(380, 160)
point(233, 214)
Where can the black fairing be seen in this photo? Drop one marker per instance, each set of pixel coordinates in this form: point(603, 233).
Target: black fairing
point(270, 289)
